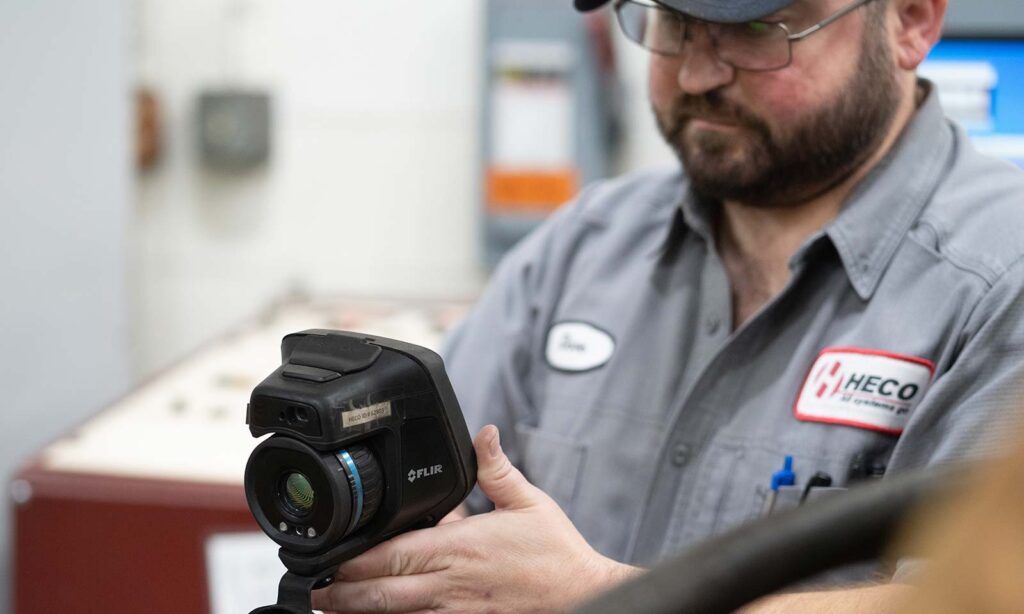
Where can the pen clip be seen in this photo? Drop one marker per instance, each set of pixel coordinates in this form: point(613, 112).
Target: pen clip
point(818, 480)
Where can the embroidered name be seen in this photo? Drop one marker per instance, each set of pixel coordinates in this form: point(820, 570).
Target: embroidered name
point(578, 346)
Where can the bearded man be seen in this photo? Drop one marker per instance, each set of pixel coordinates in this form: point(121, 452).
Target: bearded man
point(832, 274)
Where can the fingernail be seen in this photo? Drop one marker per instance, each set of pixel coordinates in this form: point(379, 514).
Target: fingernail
point(495, 447)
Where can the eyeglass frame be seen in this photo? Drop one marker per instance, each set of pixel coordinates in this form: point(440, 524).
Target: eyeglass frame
point(790, 37)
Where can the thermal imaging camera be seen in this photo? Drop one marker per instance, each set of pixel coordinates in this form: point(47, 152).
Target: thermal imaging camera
point(367, 441)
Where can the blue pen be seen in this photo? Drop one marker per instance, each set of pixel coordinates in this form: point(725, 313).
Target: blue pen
point(783, 477)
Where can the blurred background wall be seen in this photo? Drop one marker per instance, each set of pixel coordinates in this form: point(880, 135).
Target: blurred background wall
point(65, 205)
point(370, 188)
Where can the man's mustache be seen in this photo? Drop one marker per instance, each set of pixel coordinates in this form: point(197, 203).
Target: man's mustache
point(712, 107)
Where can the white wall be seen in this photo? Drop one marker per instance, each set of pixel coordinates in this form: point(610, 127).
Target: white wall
point(64, 192)
point(642, 145)
point(371, 188)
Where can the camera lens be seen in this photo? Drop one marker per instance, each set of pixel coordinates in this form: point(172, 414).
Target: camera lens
point(298, 493)
point(308, 500)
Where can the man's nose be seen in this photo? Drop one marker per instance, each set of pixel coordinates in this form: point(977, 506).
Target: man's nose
point(700, 68)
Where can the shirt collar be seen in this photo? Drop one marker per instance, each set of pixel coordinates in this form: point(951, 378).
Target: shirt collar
point(888, 202)
point(877, 215)
point(692, 214)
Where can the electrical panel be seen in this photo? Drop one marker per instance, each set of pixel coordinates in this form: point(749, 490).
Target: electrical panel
point(548, 121)
point(234, 129)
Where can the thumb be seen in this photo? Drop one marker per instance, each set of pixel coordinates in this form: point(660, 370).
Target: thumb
point(503, 484)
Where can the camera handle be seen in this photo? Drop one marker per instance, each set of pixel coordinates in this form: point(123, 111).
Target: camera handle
point(293, 594)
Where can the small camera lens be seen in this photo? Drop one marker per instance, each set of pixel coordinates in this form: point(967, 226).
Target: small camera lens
point(297, 493)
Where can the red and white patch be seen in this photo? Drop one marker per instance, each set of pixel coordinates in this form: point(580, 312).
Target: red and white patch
point(867, 389)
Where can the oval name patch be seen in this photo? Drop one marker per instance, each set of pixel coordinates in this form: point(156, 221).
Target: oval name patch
point(578, 346)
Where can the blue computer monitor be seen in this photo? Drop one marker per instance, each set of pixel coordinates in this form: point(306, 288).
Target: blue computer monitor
point(981, 84)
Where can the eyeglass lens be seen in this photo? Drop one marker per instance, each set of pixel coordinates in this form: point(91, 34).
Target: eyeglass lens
point(752, 45)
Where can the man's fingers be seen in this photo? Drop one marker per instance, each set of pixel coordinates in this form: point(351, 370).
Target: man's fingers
point(412, 553)
point(503, 484)
point(392, 594)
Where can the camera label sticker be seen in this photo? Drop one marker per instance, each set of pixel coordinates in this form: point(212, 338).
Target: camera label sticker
point(355, 417)
point(863, 388)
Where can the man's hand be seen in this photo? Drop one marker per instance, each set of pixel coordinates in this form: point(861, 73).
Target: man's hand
point(525, 556)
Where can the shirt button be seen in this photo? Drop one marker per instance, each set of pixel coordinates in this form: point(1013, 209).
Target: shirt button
point(680, 455)
point(712, 324)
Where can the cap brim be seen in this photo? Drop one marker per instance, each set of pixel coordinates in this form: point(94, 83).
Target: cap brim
point(722, 11)
point(589, 5)
point(727, 11)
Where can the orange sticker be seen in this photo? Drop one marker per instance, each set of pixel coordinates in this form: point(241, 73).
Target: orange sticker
point(530, 191)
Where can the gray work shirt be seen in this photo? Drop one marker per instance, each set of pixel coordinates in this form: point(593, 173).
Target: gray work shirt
point(604, 348)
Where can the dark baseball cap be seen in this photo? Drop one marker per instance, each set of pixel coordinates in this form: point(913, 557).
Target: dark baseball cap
point(722, 11)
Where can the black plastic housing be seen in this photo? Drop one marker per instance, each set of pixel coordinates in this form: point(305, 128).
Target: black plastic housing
point(337, 391)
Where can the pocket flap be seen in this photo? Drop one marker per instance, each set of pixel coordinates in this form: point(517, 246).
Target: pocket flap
point(551, 462)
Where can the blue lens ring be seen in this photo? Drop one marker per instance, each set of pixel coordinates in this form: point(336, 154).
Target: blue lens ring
point(357, 487)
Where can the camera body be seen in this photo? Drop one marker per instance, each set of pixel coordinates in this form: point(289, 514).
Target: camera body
point(368, 441)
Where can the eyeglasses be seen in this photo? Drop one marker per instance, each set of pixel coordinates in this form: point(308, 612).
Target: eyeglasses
point(752, 45)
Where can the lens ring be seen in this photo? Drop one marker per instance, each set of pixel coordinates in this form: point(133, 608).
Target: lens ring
point(270, 463)
point(297, 493)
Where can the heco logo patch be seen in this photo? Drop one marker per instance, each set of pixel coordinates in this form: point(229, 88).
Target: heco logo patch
point(864, 388)
point(578, 346)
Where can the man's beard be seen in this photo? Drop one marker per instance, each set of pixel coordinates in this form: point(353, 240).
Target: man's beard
point(750, 165)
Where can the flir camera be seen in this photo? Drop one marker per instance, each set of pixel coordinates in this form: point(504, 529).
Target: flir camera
point(368, 441)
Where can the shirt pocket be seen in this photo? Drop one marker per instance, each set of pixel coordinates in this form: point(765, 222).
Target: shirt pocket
point(737, 473)
point(552, 463)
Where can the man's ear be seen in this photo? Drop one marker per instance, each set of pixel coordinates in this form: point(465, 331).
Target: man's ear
point(917, 27)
